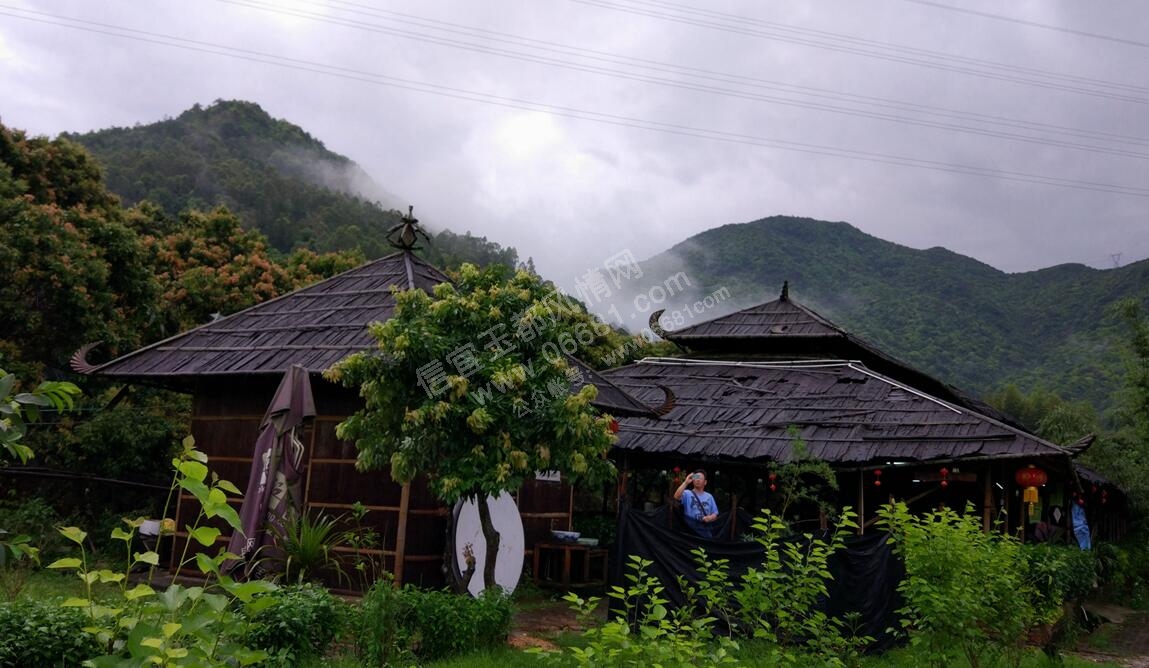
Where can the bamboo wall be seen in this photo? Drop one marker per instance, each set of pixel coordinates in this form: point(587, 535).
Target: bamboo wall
point(411, 523)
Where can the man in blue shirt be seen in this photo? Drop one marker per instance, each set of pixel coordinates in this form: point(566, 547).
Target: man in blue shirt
point(698, 505)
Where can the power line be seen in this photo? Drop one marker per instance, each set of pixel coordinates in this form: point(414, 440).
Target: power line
point(557, 110)
point(712, 75)
point(1032, 24)
point(726, 92)
point(899, 54)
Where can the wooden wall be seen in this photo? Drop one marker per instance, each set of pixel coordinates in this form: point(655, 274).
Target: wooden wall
point(411, 523)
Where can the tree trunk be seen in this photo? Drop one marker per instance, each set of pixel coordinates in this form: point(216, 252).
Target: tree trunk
point(492, 538)
point(459, 579)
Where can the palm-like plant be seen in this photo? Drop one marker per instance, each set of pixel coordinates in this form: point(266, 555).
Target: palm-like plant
point(307, 548)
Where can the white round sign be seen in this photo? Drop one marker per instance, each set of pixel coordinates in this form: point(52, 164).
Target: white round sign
point(469, 538)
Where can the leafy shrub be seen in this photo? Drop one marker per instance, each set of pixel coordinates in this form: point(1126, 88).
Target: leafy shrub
point(380, 638)
point(646, 633)
point(41, 633)
point(302, 622)
point(397, 624)
point(966, 591)
point(779, 602)
point(1059, 575)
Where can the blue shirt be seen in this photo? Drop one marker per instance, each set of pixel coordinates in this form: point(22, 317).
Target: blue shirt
point(695, 506)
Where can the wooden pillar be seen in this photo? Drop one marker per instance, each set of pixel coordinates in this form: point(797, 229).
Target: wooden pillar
point(987, 500)
point(861, 502)
point(401, 535)
point(733, 516)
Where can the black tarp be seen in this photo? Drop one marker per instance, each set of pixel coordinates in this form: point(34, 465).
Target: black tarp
point(865, 574)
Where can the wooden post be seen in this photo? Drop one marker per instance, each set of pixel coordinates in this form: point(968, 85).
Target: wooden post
point(987, 501)
point(861, 502)
point(401, 535)
point(570, 509)
point(733, 516)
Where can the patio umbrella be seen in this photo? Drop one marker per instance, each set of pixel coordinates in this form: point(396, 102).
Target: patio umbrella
point(274, 489)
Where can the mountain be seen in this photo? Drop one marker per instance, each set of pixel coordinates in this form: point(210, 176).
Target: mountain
point(275, 176)
point(959, 319)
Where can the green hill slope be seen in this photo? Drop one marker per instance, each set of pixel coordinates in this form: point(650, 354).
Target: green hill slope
point(959, 319)
point(275, 176)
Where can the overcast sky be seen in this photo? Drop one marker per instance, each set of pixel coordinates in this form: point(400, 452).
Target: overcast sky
point(1016, 133)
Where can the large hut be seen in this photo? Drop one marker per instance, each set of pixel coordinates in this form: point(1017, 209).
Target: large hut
point(232, 366)
point(755, 382)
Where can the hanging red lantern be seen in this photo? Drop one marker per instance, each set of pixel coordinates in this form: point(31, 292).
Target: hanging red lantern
point(945, 474)
point(1029, 479)
point(877, 477)
point(614, 426)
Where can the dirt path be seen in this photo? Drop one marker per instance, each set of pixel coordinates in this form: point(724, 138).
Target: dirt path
point(1126, 643)
point(537, 624)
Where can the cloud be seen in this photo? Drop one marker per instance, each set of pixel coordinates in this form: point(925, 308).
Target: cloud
point(434, 100)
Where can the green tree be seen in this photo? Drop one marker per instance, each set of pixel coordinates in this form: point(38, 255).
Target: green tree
point(73, 270)
point(470, 387)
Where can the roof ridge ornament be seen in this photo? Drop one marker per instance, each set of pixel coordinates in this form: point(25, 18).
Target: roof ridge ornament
point(785, 291)
point(405, 235)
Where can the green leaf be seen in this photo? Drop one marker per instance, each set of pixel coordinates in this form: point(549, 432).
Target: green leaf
point(149, 557)
point(206, 564)
point(205, 535)
point(73, 534)
point(75, 603)
point(66, 562)
point(107, 576)
point(120, 534)
point(139, 591)
point(226, 486)
point(7, 382)
point(193, 470)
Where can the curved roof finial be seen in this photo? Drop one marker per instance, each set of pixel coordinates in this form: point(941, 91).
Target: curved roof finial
point(406, 234)
point(785, 291)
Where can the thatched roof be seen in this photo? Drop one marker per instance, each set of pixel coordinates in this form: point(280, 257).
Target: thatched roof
point(785, 330)
point(845, 412)
point(314, 327)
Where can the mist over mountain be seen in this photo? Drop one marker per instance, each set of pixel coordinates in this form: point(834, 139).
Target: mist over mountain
point(964, 321)
point(274, 175)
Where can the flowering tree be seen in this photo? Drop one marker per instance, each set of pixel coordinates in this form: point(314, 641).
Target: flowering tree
point(471, 387)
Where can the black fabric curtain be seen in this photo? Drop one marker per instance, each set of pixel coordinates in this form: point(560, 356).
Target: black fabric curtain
point(865, 574)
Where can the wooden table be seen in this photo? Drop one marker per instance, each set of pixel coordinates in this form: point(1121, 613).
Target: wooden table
point(588, 554)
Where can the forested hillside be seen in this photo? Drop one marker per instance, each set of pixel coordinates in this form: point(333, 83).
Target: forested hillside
point(272, 174)
point(966, 322)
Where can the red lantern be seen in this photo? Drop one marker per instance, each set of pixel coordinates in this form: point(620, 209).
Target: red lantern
point(877, 477)
point(1030, 478)
point(945, 474)
point(614, 426)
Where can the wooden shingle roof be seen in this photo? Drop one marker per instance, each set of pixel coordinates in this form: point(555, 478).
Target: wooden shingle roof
point(846, 413)
point(786, 330)
point(314, 327)
point(779, 319)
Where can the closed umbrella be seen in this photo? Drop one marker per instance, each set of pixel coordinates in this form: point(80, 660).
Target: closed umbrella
point(274, 492)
